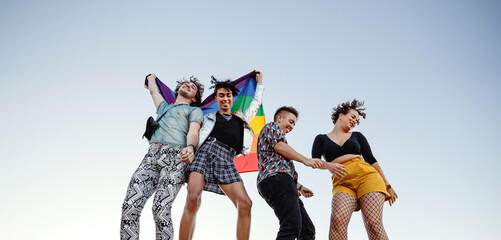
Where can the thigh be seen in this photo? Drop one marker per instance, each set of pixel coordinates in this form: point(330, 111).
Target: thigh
point(170, 182)
point(196, 184)
point(372, 182)
point(173, 169)
point(144, 180)
point(372, 205)
point(280, 192)
point(236, 192)
point(343, 205)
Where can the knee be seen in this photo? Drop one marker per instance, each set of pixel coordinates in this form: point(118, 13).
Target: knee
point(336, 220)
point(193, 200)
point(373, 225)
point(245, 205)
point(291, 229)
point(308, 232)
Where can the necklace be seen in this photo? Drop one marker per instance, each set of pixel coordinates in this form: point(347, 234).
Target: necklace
point(227, 117)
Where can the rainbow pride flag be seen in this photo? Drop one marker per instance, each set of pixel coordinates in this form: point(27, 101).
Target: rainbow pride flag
point(247, 87)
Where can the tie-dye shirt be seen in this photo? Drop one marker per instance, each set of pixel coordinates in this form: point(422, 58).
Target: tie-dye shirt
point(270, 162)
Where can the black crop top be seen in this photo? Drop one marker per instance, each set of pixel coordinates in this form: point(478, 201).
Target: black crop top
point(356, 144)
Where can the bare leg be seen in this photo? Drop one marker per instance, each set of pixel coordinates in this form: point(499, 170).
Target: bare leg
point(196, 183)
point(372, 211)
point(343, 205)
point(237, 194)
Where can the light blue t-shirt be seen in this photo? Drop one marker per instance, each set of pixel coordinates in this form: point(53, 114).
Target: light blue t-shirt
point(175, 124)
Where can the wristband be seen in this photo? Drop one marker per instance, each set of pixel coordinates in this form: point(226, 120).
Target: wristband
point(194, 148)
point(300, 187)
point(388, 186)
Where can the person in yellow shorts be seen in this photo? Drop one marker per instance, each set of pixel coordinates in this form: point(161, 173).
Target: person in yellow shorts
point(357, 178)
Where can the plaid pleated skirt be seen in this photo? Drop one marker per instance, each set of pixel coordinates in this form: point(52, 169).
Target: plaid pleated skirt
point(215, 163)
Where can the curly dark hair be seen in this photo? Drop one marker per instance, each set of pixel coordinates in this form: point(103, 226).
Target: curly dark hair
point(223, 84)
point(345, 107)
point(285, 109)
point(200, 89)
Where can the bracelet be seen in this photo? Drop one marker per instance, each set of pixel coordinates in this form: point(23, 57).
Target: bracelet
point(194, 148)
point(388, 186)
point(300, 187)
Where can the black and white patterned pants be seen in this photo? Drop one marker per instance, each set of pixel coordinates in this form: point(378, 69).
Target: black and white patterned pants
point(160, 171)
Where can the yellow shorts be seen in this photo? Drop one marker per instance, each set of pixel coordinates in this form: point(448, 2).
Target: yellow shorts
point(360, 178)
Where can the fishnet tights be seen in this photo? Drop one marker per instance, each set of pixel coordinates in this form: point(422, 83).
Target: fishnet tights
point(344, 204)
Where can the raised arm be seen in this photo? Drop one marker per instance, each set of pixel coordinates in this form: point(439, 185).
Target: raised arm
point(288, 152)
point(258, 98)
point(153, 88)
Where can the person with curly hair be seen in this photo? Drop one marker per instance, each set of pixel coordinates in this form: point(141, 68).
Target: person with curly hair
point(172, 147)
point(363, 184)
point(224, 135)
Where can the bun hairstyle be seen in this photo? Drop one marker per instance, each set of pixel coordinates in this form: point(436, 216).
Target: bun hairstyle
point(223, 84)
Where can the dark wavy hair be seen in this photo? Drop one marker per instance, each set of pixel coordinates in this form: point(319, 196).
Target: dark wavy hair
point(200, 89)
point(285, 109)
point(345, 107)
point(223, 84)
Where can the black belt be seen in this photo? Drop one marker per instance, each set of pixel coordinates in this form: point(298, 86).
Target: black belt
point(222, 144)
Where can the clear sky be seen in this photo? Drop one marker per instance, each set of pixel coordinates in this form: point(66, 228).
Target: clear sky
point(74, 107)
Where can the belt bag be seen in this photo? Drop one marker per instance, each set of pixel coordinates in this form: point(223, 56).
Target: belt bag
point(151, 126)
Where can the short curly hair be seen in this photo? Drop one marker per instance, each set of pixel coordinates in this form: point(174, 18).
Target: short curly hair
point(223, 84)
point(345, 107)
point(200, 89)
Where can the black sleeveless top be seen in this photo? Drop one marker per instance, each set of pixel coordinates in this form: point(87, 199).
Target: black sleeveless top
point(356, 144)
point(230, 132)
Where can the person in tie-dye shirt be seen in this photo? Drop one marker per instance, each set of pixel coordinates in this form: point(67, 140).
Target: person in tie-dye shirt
point(277, 179)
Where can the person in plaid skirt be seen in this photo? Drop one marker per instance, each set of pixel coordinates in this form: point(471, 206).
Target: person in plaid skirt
point(223, 135)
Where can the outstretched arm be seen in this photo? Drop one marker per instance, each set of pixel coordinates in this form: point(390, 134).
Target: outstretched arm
point(336, 169)
point(153, 88)
point(288, 152)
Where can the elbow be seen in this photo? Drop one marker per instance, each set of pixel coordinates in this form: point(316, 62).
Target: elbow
point(279, 148)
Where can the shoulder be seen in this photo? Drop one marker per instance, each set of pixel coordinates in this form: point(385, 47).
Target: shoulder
point(270, 127)
point(357, 133)
point(320, 136)
point(163, 104)
point(196, 110)
point(359, 136)
point(210, 116)
point(239, 114)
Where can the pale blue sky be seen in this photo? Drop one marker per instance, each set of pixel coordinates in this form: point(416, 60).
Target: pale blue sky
point(74, 108)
